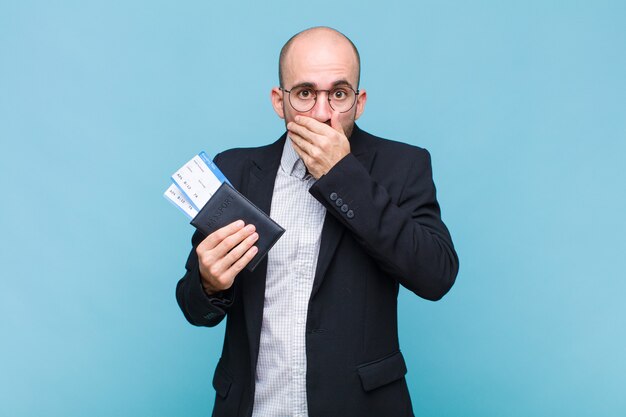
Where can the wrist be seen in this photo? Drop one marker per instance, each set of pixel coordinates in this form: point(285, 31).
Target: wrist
point(207, 287)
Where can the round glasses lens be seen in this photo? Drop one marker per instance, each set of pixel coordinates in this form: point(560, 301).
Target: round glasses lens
point(342, 98)
point(302, 98)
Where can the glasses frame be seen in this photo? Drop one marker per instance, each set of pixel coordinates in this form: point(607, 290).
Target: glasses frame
point(356, 96)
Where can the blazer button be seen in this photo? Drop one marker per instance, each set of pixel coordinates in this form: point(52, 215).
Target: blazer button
point(339, 202)
point(344, 208)
point(333, 196)
point(350, 214)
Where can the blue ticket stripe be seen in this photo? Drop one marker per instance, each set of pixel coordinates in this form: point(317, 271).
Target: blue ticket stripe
point(214, 169)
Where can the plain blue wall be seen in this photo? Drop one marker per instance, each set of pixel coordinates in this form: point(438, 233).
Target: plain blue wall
point(522, 105)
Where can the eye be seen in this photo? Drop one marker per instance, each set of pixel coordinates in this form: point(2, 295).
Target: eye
point(305, 94)
point(339, 94)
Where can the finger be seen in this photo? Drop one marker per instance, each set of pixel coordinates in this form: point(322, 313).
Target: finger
point(238, 266)
point(302, 131)
point(238, 251)
point(214, 239)
point(302, 146)
point(231, 241)
point(313, 125)
point(219, 259)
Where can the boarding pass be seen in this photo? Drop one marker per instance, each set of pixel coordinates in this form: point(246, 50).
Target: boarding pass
point(194, 184)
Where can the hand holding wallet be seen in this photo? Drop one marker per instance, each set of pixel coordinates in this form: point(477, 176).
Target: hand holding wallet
point(228, 205)
point(202, 192)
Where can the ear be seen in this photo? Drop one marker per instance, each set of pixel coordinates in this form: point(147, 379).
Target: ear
point(360, 103)
point(277, 97)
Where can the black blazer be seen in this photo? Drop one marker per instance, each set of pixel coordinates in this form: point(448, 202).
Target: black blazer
point(392, 234)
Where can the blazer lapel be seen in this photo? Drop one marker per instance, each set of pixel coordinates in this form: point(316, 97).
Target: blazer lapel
point(260, 187)
point(333, 230)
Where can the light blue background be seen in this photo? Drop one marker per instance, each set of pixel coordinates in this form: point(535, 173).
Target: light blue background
point(522, 105)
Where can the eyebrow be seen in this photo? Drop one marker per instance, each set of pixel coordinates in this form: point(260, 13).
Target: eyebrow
point(337, 83)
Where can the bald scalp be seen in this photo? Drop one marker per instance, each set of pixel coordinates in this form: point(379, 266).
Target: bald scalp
point(310, 32)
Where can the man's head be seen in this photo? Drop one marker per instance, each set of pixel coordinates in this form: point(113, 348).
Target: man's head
point(320, 58)
point(339, 36)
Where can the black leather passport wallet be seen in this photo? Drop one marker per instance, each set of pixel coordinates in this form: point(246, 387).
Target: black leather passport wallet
point(228, 205)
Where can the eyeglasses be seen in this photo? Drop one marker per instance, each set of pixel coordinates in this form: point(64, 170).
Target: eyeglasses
point(340, 98)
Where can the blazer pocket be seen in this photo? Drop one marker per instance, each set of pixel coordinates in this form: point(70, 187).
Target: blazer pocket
point(382, 371)
point(222, 380)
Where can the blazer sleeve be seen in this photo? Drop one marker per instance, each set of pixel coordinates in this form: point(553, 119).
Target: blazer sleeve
point(403, 232)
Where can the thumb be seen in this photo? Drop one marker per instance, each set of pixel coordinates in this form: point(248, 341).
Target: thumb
point(334, 123)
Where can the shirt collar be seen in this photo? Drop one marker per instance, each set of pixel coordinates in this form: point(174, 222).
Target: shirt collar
point(290, 161)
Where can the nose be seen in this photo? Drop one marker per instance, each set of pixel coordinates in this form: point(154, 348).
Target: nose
point(322, 111)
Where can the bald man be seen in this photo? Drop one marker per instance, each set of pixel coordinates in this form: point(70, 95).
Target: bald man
point(313, 330)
